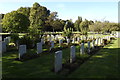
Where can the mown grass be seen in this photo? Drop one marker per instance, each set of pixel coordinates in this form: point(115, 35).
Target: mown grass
point(104, 64)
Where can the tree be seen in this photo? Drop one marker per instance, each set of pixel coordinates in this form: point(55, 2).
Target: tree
point(15, 22)
point(68, 29)
point(24, 10)
point(77, 23)
point(84, 27)
point(38, 16)
point(57, 25)
point(96, 27)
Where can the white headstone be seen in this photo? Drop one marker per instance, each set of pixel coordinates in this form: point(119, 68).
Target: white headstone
point(3, 46)
point(52, 45)
point(82, 48)
point(0, 47)
point(42, 41)
point(9, 39)
point(93, 44)
point(39, 47)
point(72, 54)
point(6, 41)
point(73, 41)
point(60, 42)
point(58, 61)
point(101, 41)
point(88, 46)
point(96, 41)
point(68, 41)
point(22, 50)
point(78, 39)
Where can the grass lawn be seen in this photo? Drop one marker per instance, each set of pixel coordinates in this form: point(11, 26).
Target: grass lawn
point(104, 64)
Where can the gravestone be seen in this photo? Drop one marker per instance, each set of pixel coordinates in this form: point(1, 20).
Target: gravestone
point(72, 54)
point(99, 40)
point(73, 41)
point(42, 41)
point(0, 47)
point(39, 47)
point(9, 39)
point(22, 50)
point(6, 41)
point(93, 44)
point(88, 46)
point(3, 46)
point(58, 61)
point(96, 42)
point(78, 39)
point(82, 48)
point(52, 45)
point(60, 42)
point(68, 41)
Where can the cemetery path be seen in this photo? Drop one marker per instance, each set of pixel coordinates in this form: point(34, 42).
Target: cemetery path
point(104, 64)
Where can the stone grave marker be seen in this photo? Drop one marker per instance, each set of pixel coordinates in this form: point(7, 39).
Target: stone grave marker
point(39, 47)
point(68, 41)
point(3, 46)
point(58, 61)
point(0, 47)
point(52, 45)
point(6, 41)
point(22, 50)
point(82, 48)
point(73, 40)
point(42, 41)
point(60, 42)
point(93, 44)
point(88, 46)
point(72, 54)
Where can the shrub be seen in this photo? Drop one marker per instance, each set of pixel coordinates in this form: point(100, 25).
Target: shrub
point(26, 40)
point(14, 37)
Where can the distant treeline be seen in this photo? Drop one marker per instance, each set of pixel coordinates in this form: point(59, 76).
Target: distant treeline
point(38, 19)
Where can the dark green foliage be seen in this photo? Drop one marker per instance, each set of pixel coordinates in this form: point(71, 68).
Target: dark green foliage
point(26, 40)
point(84, 27)
point(15, 22)
point(24, 10)
point(68, 29)
point(14, 37)
point(77, 23)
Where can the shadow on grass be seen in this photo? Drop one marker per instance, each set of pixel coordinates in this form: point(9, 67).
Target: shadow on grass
point(105, 64)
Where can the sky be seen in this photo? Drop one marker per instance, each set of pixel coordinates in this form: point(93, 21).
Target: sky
point(87, 9)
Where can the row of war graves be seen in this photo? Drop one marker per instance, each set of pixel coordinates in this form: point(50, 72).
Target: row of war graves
point(22, 49)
